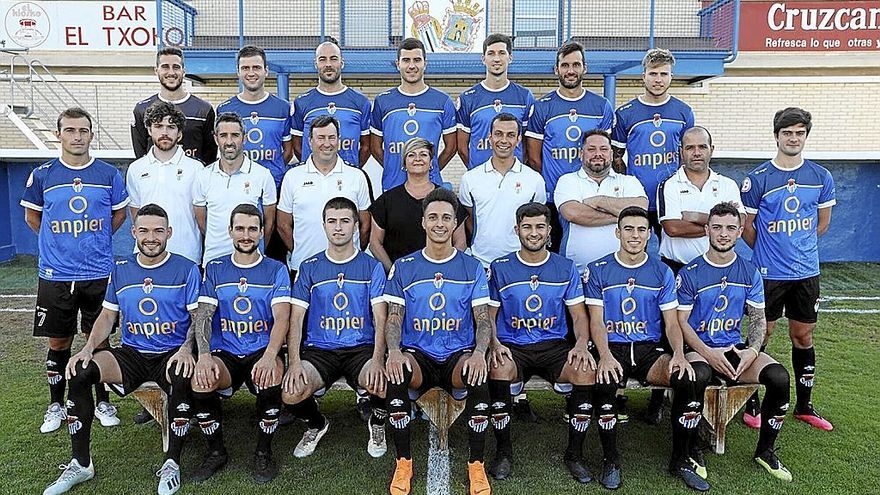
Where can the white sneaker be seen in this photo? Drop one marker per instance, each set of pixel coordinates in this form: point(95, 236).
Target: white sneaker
point(55, 414)
point(376, 446)
point(169, 478)
point(73, 474)
point(106, 414)
point(310, 440)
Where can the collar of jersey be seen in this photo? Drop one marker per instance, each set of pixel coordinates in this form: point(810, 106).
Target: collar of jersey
point(489, 168)
point(346, 260)
point(174, 159)
point(621, 263)
point(343, 90)
point(706, 258)
point(438, 262)
point(584, 175)
point(573, 99)
point(799, 165)
point(137, 258)
point(524, 262)
point(404, 93)
point(73, 167)
point(683, 178)
point(668, 97)
point(261, 100)
point(312, 169)
point(247, 161)
point(483, 84)
point(255, 263)
point(174, 102)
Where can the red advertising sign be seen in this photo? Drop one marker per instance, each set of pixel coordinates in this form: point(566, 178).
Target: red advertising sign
point(809, 26)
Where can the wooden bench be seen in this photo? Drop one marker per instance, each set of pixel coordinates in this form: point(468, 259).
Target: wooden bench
point(155, 401)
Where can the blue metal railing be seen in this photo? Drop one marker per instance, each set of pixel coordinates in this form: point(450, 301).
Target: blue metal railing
point(720, 22)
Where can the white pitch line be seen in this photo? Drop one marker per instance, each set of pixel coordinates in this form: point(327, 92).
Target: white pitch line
point(16, 310)
point(849, 298)
point(17, 296)
point(851, 311)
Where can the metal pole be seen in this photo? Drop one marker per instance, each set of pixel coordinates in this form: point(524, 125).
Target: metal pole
point(735, 33)
point(651, 27)
point(568, 20)
point(390, 20)
point(559, 23)
point(342, 22)
point(240, 23)
point(323, 8)
point(610, 88)
point(161, 32)
point(283, 90)
point(513, 20)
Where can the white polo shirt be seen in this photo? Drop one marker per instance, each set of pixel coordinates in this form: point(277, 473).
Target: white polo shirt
point(305, 191)
point(220, 193)
point(494, 199)
point(169, 185)
point(678, 194)
point(582, 244)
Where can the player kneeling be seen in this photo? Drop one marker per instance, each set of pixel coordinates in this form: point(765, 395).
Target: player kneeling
point(250, 295)
point(155, 293)
point(714, 291)
point(343, 290)
point(529, 291)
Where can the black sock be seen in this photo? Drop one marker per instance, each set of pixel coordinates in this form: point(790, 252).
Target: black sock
point(476, 410)
point(656, 401)
point(56, 361)
point(804, 363)
point(380, 414)
point(499, 392)
point(81, 411)
point(775, 379)
point(605, 405)
point(268, 407)
point(580, 411)
point(307, 410)
point(399, 407)
point(209, 413)
point(687, 409)
point(179, 413)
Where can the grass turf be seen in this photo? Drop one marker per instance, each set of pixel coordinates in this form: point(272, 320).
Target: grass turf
point(844, 461)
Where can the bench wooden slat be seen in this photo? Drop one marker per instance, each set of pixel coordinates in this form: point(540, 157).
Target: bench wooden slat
point(155, 401)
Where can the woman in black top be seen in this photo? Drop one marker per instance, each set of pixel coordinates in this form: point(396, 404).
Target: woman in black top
point(397, 213)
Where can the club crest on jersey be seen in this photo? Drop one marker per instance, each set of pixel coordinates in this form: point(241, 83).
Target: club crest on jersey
point(77, 184)
point(518, 187)
point(338, 184)
point(242, 284)
point(572, 115)
point(340, 279)
point(747, 185)
point(254, 118)
point(331, 108)
point(585, 277)
point(497, 106)
point(533, 282)
point(630, 285)
point(791, 186)
point(438, 280)
point(179, 174)
point(714, 190)
point(657, 120)
point(247, 187)
point(723, 283)
point(148, 285)
point(411, 109)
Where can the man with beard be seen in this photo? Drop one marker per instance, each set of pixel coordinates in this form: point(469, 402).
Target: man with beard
point(714, 292)
point(198, 140)
point(412, 109)
point(244, 308)
point(529, 292)
point(493, 95)
point(788, 201)
point(155, 293)
point(74, 204)
point(558, 123)
point(231, 180)
point(591, 199)
point(331, 97)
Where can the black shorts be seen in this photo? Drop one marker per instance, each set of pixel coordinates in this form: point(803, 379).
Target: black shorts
point(437, 373)
point(555, 230)
point(335, 363)
point(59, 302)
point(675, 266)
point(239, 370)
point(636, 359)
point(140, 367)
point(799, 299)
point(545, 359)
point(654, 222)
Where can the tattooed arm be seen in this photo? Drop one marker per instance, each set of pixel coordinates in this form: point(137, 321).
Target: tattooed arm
point(482, 329)
point(396, 360)
point(207, 371)
point(182, 360)
point(757, 327)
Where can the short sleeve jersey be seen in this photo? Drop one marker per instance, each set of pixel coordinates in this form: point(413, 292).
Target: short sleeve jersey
point(244, 296)
point(786, 204)
point(651, 135)
point(77, 205)
point(477, 107)
point(561, 124)
point(349, 107)
point(398, 117)
point(438, 297)
point(632, 297)
point(532, 297)
point(339, 296)
point(153, 301)
point(266, 128)
point(717, 295)
point(198, 133)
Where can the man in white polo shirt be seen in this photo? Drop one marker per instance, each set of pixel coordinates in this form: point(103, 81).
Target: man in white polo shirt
point(492, 192)
point(685, 198)
point(590, 200)
point(165, 176)
point(230, 181)
point(307, 188)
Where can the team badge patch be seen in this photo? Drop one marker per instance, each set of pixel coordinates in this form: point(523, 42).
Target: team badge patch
point(438, 280)
point(723, 283)
point(461, 25)
point(791, 186)
point(242, 284)
point(411, 109)
point(77, 184)
point(630, 285)
point(179, 174)
point(331, 108)
point(677, 282)
point(747, 185)
point(533, 283)
point(496, 105)
point(572, 115)
point(586, 275)
point(338, 184)
point(340, 279)
point(148, 285)
point(247, 187)
point(657, 120)
point(254, 118)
